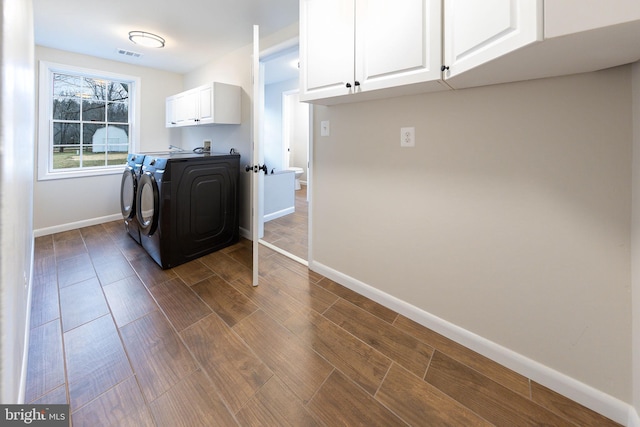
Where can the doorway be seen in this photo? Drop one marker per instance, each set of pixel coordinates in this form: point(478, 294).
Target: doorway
point(295, 135)
point(285, 137)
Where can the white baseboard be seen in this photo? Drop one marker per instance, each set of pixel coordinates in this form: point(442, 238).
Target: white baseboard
point(279, 213)
point(584, 394)
point(75, 225)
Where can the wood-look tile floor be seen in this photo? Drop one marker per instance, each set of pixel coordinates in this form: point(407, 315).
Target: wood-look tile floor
point(290, 232)
point(128, 344)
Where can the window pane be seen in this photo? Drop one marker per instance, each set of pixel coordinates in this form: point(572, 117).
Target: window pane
point(93, 111)
point(118, 156)
point(118, 135)
point(118, 112)
point(101, 137)
point(66, 109)
point(95, 145)
point(118, 91)
point(91, 158)
point(66, 134)
point(65, 85)
point(94, 137)
point(118, 144)
point(66, 157)
point(94, 89)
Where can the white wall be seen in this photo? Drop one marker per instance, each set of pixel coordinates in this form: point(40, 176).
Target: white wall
point(17, 106)
point(71, 203)
point(511, 218)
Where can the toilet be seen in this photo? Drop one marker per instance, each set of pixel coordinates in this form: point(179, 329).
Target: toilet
point(299, 172)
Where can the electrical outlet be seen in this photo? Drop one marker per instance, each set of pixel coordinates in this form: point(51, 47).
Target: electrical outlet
point(408, 137)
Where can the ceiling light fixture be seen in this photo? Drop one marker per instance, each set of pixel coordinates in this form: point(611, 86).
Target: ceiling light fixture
point(146, 39)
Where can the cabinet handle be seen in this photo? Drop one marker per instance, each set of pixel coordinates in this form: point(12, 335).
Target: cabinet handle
point(444, 68)
point(356, 83)
point(348, 85)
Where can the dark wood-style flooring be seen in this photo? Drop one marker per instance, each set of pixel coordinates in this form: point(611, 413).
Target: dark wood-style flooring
point(128, 344)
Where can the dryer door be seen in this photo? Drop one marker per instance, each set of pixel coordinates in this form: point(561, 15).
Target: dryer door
point(147, 207)
point(128, 193)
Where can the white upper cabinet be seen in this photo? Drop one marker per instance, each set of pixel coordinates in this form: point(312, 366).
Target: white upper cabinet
point(353, 50)
point(477, 32)
point(213, 103)
point(500, 41)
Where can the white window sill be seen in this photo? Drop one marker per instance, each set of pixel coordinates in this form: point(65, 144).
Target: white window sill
point(84, 173)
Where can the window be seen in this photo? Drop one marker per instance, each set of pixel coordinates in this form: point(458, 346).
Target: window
point(86, 123)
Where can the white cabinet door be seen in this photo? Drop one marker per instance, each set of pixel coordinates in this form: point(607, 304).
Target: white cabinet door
point(205, 104)
point(397, 43)
point(170, 112)
point(190, 106)
point(326, 47)
point(180, 109)
point(186, 108)
point(477, 32)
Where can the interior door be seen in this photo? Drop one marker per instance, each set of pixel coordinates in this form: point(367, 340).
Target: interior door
point(258, 155)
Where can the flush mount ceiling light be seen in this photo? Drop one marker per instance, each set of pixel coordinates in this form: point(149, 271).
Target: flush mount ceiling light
point(146, 39)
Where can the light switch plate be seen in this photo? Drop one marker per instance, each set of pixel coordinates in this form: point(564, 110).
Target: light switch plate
point(325, 128)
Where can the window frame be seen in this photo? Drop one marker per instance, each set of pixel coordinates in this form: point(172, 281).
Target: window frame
point(45, 127)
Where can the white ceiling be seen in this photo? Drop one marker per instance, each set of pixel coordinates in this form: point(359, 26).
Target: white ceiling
point(196, 31)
